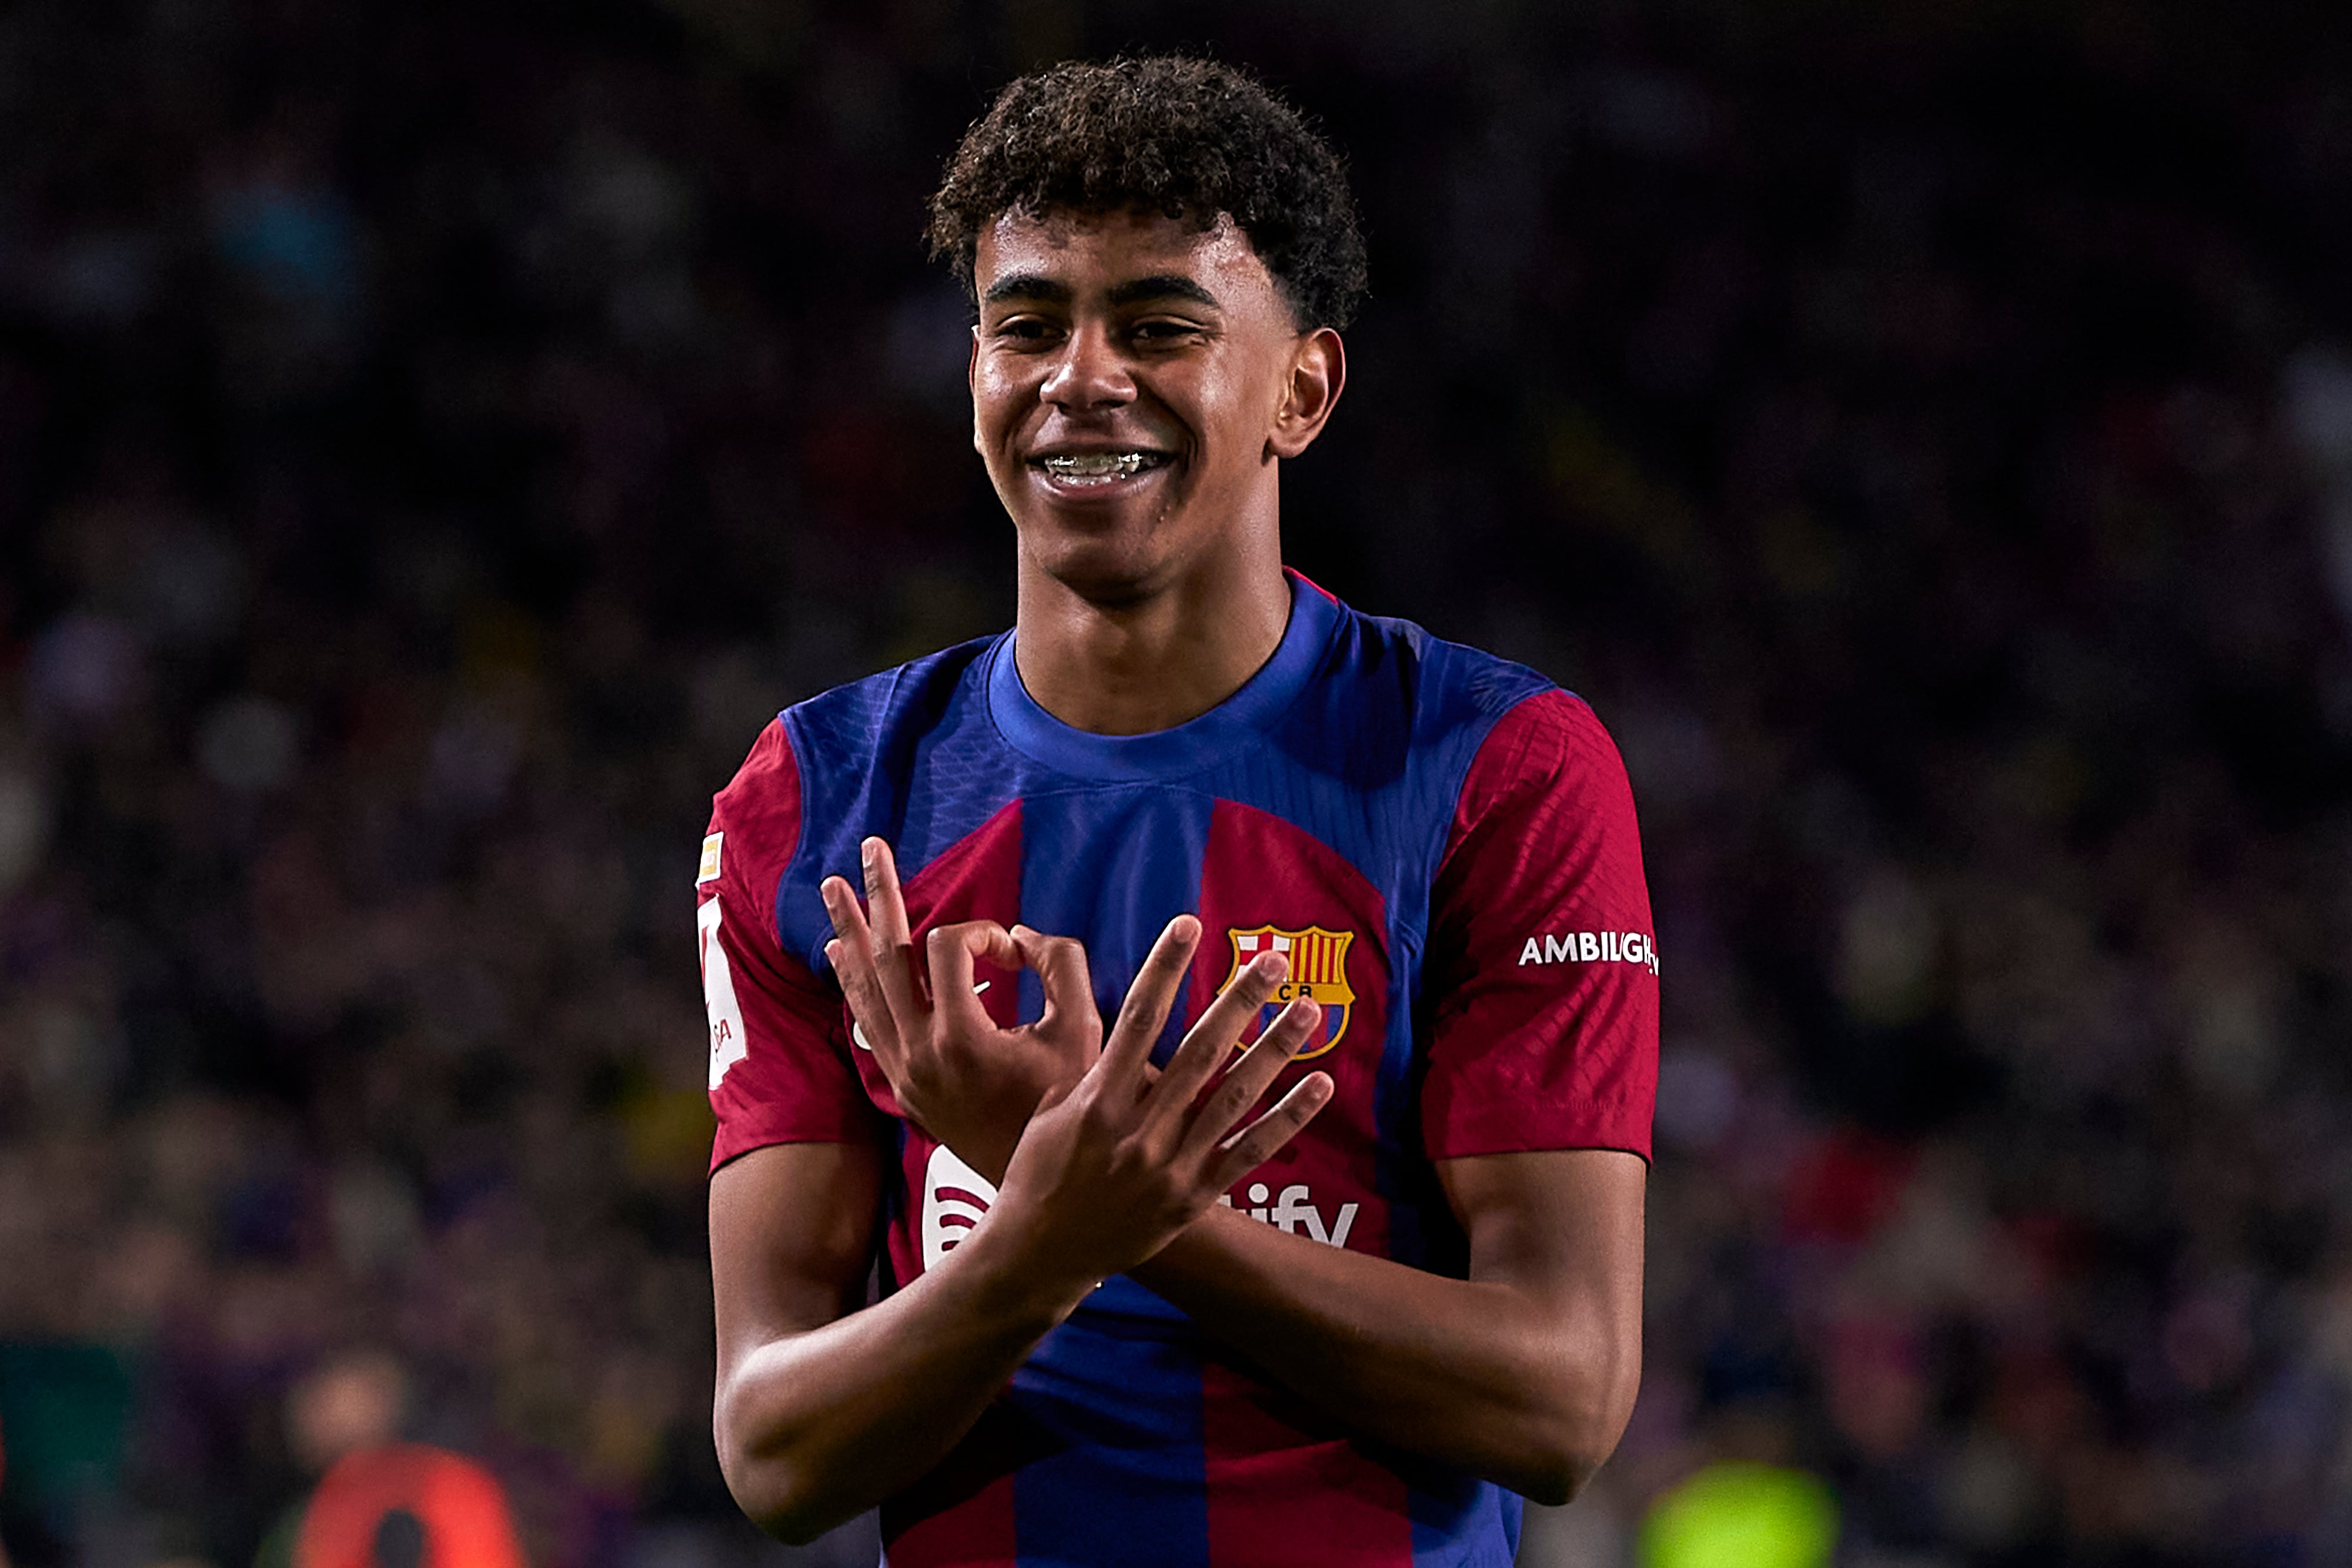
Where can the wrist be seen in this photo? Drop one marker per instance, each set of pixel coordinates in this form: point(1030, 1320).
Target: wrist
point(992, 1157)
point(1010, 1282)
point(1188, 1251)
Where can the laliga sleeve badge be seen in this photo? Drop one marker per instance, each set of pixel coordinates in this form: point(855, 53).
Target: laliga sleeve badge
point(728, 1044)
point(1318, 970)
point(709, 872)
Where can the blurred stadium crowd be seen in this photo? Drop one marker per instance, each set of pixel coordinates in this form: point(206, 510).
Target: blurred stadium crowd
point(433, 438)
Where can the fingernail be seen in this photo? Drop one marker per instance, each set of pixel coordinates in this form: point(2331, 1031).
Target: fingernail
point(866, 850)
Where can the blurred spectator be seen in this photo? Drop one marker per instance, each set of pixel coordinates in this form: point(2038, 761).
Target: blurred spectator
point(380, 1502)
point(402, 1504)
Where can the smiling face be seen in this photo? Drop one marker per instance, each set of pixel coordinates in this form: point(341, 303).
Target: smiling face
point(1135, 382)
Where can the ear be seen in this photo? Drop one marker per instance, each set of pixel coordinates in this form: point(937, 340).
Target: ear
point(972, 380)
point(1319, 371)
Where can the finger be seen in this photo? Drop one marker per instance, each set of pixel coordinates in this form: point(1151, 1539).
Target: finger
point(1209, 1043)
point(1240, 1089)
point(841, 904)
point(1145, 1011)
point(1065, 978)
point(1257, 1144)
point(951, 950)
point(892, 945)
point(851, 954)
point(867, 1018)
point(852, 936)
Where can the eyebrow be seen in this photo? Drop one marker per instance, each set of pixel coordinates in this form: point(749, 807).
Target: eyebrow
point(1027, 285)
point(1036, 285)
point(1162, 286)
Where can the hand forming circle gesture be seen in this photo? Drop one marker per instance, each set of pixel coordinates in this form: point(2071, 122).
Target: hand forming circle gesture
point(1102, 1158)
point(959, 1077)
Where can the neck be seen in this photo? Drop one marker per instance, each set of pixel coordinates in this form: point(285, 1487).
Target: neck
point(1154, 660)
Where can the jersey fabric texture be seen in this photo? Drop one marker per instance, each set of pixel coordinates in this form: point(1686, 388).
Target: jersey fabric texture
point(1444, 845)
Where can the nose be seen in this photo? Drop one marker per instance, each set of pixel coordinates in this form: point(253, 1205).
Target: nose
point(1089, 373)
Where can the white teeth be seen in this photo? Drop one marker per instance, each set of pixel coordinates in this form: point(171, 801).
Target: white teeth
point(1098, 466)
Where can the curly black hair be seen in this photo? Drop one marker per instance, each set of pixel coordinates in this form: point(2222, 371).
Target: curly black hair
point(1189, 137)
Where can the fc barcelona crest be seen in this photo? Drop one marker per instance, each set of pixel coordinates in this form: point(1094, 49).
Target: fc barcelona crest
point(1318, 969)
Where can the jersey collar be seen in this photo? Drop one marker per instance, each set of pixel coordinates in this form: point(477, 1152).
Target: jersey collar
point(1242, 720)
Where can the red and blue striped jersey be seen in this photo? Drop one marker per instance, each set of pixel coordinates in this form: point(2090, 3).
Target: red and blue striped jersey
point(1444, 842)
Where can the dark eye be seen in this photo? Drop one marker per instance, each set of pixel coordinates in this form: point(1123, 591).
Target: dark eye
point(1024, 329)
point(1165, 331)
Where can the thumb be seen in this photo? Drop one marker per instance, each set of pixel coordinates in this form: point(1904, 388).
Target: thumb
point(952, 949)
point(1066, 980)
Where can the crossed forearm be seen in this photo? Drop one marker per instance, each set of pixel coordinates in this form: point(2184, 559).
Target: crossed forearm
point(817, 1427)
point(1477, 1375)
point(1524, 1374)
point(816, 1423)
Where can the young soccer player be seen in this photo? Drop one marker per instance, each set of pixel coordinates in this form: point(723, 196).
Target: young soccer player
point(1344, 1297)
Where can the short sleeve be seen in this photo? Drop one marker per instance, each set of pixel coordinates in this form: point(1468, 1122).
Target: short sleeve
point(779, 1066)
point(1542, 962)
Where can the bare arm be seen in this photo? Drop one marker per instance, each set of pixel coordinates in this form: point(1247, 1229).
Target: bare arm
point(1525, 1372)
point(824, 1410)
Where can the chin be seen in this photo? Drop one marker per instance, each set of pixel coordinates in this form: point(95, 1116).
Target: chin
point(1106, 556)
point(1103, 572)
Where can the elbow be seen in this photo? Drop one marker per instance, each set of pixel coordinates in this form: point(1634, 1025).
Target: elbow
point(1553, 1486)
point(776, 1498)
point(1579, 1431)
point(1558, 1470)
point(785, 1522)
point(1559, 1465)
point(797, 1526)
point(775, 1490)
point(784, 1516)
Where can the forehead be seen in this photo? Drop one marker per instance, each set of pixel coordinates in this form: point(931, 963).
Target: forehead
point(1093, 252)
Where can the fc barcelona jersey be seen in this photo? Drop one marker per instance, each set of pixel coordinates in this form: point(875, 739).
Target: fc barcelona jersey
point(1442, 842)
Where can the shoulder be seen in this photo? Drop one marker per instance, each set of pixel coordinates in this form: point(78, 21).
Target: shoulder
point(1444, 705)
point(1545, 737)
point(1448, 687)
point(1496, 733)
point(763, 799)
point(812, 752)
point(844, 727)
point(851, 723)
point(1547, 783)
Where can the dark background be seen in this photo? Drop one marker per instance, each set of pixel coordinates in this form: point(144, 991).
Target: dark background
point(433, 438)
